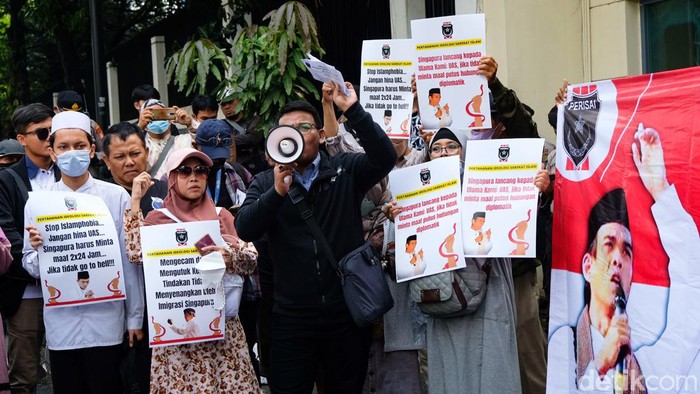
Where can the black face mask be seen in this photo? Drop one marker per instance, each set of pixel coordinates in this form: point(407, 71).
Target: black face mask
point(218, 163)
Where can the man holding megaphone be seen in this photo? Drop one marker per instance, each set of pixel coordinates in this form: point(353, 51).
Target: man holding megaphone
point(311, 325)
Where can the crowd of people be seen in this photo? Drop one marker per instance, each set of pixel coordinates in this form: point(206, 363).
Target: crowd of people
point(292, 329)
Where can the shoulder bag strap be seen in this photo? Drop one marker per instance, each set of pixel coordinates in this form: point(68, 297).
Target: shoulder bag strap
point(163, 155)
point(20, 183)
point(307, 214)
point(169, 214)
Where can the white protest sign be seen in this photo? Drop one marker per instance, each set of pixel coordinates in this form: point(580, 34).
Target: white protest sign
point(183, 306)
point(499, 208)
point(450, 93)
point(428, 228)
point(80, 260)
point(385, 84)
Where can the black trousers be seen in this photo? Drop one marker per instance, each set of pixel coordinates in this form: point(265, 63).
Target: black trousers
point(299, 345)
point(93, 370)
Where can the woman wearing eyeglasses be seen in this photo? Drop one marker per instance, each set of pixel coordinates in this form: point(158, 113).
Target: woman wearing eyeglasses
point(205, 366)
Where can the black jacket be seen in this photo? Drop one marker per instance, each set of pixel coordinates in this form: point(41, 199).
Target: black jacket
point(304, 281)
point(13, 283)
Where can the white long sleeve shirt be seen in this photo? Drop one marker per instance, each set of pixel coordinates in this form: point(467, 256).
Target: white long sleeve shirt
point(101, 324)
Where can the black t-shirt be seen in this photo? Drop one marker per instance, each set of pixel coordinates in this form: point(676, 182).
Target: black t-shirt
point(224, 200)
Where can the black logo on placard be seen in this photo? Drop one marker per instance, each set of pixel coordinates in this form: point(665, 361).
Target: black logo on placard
point(71, 204)
point(447, 30)
point(181, 236)
point(503, 153)
point(425, 176)
point(580, 118)
point(386, 51)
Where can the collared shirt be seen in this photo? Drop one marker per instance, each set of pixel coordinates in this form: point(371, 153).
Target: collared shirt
point(310, 173)
point(100, 324)
point(190, 330)
point(40, 179)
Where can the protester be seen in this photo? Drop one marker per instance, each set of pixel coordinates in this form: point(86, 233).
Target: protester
point(125, 155)
point(5, 262)
point(204, 107)
point(70, 100)
point(204, 366)
point(20, 294)
point(160, 140)
point(248, 140)
point(11, 151)
point(84, 341)
point(311, 325)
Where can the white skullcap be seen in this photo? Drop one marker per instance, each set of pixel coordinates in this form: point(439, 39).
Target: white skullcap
point(70, 120)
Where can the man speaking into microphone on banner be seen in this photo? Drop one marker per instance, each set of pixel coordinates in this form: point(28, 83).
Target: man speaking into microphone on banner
point(599, 353)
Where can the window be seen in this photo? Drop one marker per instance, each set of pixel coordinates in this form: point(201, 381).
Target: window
point(434, 8)
point(670, 34)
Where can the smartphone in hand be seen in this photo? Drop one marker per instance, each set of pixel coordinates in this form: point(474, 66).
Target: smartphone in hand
point(163, 113)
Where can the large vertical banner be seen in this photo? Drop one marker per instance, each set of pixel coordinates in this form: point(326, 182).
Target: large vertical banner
point(183, 306)
point(450, 93)
point(385, 90)
point(624, 313)
point(499, 197)
point(80, 260)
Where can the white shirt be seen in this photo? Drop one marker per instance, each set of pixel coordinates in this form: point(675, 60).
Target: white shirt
point(191, 329)
point(155, 147)
point(100, 324)
point(408, 270)
point(432, 122)
point(673, 355)
point(477, 248)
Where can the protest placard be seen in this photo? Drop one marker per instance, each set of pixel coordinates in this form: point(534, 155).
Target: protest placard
point(499, 210)
point(80, 260)
point(450, 93)
point(183, 307)
point(385, 84)
point(429, 226)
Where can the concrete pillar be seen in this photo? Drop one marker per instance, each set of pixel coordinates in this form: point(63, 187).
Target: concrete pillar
point(160, 80)
point(615, 34)
point(402, 12)
point(113, 93)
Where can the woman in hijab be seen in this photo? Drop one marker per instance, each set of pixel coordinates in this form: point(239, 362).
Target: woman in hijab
point(206, 366)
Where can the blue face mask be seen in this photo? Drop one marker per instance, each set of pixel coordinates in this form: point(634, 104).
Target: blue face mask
point(73, 163)
point(158, 126)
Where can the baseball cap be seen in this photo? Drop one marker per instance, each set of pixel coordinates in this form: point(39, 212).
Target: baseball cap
point(69, 100)
point(11, 147)
point(214, 138)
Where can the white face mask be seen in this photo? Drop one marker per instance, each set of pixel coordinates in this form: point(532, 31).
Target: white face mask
point(73, 163)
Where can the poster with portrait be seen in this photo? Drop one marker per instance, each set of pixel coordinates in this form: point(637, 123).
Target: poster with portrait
point(385, 84)
point(428, 227)
point(626, 267)
point(80, 260)
point(183, 305)
point(499, 198)
point(450, 93)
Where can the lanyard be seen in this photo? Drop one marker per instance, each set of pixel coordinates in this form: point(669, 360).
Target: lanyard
point(217, 190)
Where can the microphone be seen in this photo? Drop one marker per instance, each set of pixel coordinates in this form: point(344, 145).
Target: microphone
point(620, 307)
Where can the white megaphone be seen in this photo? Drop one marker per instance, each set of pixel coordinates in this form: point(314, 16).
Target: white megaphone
point(284, 144)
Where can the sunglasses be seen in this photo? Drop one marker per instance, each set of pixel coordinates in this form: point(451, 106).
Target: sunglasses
point(199, 171)
point(42, 133)
point(216, 140)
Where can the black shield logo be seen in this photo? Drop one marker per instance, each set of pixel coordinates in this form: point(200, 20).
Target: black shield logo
point(386, 51)
point(181, 236)
point(503, 153)
point(447, 30)
point(425, 176)
point(580, 118)
point(71, 204)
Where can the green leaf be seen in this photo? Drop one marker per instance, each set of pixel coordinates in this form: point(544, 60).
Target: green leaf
point(282, 53)
point(287, 80)
point(217, 74)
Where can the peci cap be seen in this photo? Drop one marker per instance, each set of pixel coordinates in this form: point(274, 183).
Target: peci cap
point(70, 100)
point(70, 120)
point(480, 214)
point(611, 208)
point(214, 138)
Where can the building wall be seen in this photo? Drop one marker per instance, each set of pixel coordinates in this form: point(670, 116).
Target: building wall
point(538, 43)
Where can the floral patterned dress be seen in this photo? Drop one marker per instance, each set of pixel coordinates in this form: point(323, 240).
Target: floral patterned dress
point(204, 367)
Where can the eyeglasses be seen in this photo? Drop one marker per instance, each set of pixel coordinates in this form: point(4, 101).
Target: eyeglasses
point(199, 171)
point(216, 140)
point(42, 133)
point(450, 149)
point(305, 127)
